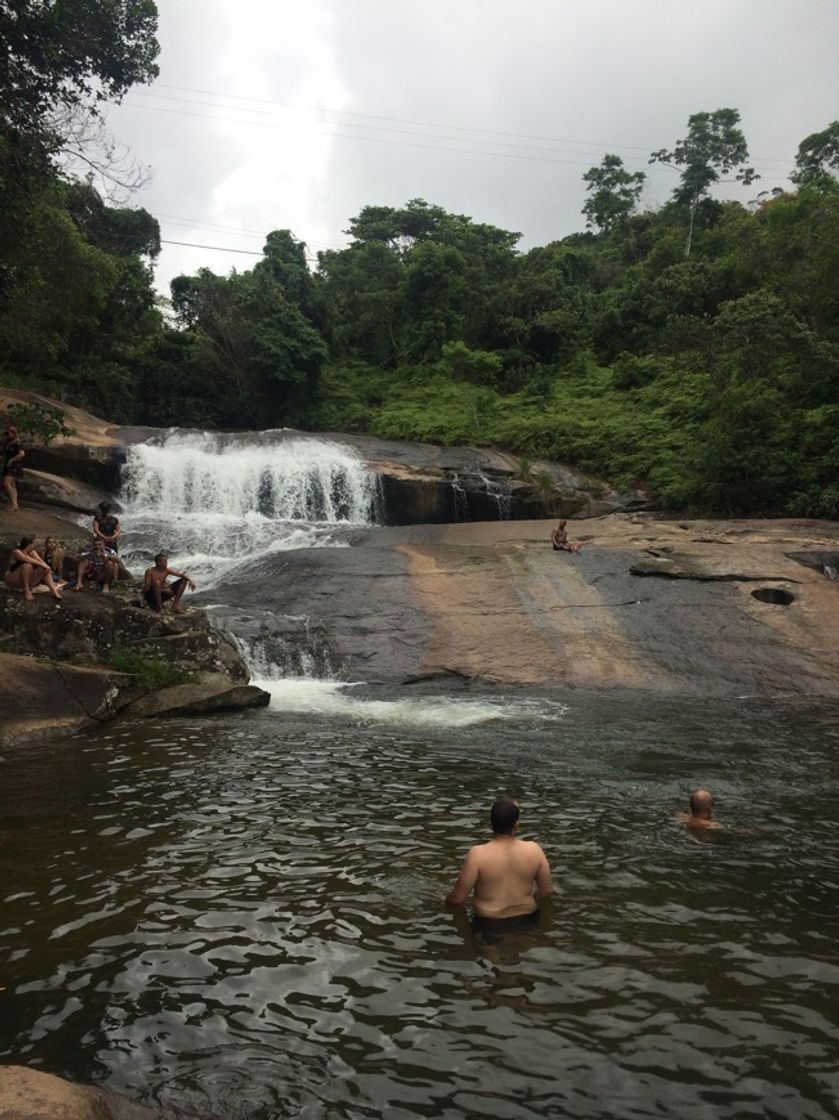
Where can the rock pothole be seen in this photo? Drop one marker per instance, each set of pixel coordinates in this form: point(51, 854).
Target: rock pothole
point(776, 595)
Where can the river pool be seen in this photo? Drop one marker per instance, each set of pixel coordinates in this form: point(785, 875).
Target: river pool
point(240, 917)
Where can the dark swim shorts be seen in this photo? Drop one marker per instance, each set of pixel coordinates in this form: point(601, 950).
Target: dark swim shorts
point(500, 927)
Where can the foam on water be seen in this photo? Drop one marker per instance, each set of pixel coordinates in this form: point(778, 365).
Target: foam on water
point(336, 698)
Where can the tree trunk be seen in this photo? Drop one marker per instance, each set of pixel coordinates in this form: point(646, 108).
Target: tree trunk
point(693, 204)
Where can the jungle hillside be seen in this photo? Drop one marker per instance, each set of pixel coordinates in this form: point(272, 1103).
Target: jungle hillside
point(691, 350)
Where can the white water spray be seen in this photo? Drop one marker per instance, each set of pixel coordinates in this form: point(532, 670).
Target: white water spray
point(215, 501)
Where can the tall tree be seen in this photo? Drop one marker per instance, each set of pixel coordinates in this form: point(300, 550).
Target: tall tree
point(818, 157)
point(714, 146)
point(614, 192)
point(71, 52)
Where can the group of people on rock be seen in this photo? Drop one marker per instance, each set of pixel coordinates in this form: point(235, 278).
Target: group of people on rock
point(97, 566)
point(31, 565)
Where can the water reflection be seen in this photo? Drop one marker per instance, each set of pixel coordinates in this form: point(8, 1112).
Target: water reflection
point(242, 917)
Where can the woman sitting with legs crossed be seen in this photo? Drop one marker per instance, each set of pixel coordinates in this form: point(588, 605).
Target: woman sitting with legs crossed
point(27, 570)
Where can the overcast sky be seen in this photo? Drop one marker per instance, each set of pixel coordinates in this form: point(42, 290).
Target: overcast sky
point(294, 114)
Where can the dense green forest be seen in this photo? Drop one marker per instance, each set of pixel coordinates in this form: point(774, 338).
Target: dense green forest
point(692, 351)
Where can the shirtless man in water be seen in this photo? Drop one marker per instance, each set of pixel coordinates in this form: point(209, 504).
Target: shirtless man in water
point(701, 811)
point(155, 589)
point(507, 875)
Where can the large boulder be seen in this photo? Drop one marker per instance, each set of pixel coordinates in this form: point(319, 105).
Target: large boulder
point(88, 629)
point(30, 1094)
point(66, 493)
point(92, 454)
point(202, 698)
point(49, 697)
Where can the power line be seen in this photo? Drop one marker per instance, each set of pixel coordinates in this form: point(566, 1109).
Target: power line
point(398, 120)
point(348, 136)
point(380, 139)
point(599, 144)
point(371, 127)
point(218, 248)
point(221, 248)
point(172, 219)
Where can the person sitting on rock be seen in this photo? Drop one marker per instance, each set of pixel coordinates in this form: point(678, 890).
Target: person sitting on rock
point(27, 570)
point(156, 592)
point(52, 553)
point(106, 525)
point(13, 456)
point(98, 564)
point(559, 539)
point(701, 811)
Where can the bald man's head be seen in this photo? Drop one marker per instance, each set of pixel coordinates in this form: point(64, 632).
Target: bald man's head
point(701, 803)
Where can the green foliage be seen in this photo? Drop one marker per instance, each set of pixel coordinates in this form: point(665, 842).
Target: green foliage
point(704, 369)
point(614, 193)
point(460, 363)
point(151, 673)
point(41, 422)
point(818, 157)
point(714, 146)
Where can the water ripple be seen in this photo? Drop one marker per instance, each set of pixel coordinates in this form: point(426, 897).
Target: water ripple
point(242, 917)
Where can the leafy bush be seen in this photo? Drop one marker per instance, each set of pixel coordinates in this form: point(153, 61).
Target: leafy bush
point(42, 422)
point(151, 673)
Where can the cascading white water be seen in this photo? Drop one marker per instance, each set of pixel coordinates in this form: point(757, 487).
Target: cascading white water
point(215, 501)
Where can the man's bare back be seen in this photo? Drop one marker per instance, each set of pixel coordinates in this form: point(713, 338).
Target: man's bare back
point(505, 876)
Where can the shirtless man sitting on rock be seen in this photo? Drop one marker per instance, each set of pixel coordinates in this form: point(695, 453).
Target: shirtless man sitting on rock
point(559, 539)
point(156, 592)
point(505, 875)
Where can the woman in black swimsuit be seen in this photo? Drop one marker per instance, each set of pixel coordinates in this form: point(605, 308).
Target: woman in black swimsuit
point(27, 570)
point(13, 456)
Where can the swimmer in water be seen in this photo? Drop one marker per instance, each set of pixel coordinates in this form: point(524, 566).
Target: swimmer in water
point(701, 811)
point(505, 876)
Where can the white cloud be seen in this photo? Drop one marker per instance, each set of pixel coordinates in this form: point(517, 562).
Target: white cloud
point(615, 76)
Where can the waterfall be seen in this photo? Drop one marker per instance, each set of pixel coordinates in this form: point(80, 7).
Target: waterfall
point(499, 494)
point(215, 501)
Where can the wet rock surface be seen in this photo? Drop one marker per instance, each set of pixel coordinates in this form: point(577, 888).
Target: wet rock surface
point(199, 699)
point(88, 628)
point(493, 601)
point(66, 493)
point(331, 612)
point(41, 699)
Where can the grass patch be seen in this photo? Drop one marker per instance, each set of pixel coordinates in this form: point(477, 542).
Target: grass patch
point(150, 672)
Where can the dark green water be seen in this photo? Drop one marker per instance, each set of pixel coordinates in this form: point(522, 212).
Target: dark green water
point(241, 917)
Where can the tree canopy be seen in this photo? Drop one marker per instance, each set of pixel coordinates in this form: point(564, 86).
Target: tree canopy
point(71, 52)
point(710, 379)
